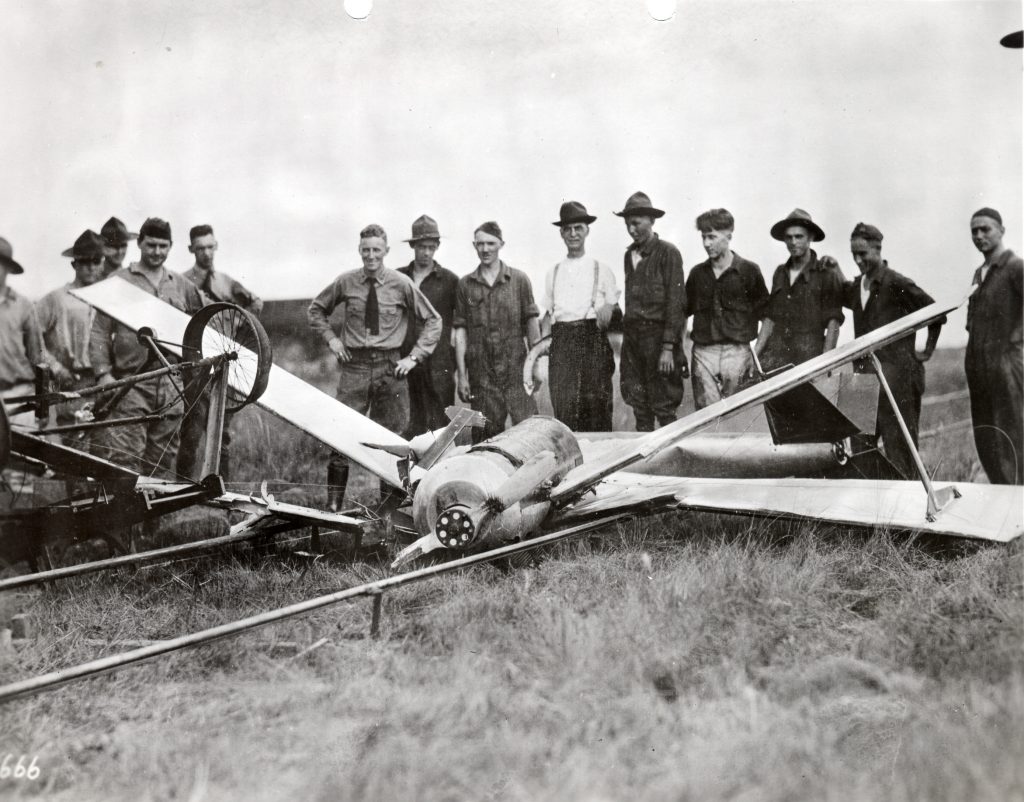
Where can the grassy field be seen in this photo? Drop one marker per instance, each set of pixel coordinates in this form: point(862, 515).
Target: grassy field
point(680, 657)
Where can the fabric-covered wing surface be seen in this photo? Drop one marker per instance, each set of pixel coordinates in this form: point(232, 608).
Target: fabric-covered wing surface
point(985, 512)
point(287, 396)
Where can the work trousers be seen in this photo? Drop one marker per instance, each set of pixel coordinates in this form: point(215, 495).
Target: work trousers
point(149, 448)
point(367, 384)
point(906, 380)
point(581, 366)
point(17, 487)
point(193, 439)
point(64, 415)
point(430, 394)
point(995, 379)
point(718, 371)
point(791, 348)
point(651, 394)
point(497, 397)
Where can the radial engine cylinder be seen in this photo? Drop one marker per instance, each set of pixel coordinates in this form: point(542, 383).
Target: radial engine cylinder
point(451, 498)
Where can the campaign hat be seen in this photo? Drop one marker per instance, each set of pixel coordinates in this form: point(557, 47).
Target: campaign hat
point(797, 217)
point(573, 212)
point(638, 204)
point(424, 227)
point(89, 245)
point(7, 257)
point(115, 233)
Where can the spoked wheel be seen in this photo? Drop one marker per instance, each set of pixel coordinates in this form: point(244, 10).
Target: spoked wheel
point(222, 328)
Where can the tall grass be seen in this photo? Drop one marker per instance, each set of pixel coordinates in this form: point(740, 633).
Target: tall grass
point(688, 657)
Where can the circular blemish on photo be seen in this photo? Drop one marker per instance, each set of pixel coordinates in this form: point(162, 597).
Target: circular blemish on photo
point(358, 9)
point(661, 10)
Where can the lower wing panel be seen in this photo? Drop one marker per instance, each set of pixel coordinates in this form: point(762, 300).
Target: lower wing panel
point(984, 512)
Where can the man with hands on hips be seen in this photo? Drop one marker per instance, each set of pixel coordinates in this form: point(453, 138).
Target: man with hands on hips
point(377, 306)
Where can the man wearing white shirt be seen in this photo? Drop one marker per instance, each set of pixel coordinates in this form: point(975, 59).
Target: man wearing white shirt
point(579, 300)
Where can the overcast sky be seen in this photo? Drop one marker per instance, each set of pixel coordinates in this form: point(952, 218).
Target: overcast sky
point(289, 125)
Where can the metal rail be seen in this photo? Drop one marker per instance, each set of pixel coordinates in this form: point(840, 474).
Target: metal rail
point(27, 580)
point(373, 590)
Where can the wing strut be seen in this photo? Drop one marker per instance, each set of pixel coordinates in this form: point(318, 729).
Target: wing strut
point(937, 498)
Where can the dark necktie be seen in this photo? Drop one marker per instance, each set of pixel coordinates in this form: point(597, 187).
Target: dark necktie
point(372, 310)
point(205, 287)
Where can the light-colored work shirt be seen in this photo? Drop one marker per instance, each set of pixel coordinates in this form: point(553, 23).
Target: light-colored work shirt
point(218, 286)
point(398, 300)
point(572, 293)
point(21, 344)
point(114, 348)
point(66, 324)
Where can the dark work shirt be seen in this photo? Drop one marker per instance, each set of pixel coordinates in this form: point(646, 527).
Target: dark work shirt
point(810, 303)
point(655, 291)
point(398, 302)
point(440, 286)
point(995, 309)
point(726, 309)
point(495, 319)
point(115, 348)
point(218, 286)
point(891, 297)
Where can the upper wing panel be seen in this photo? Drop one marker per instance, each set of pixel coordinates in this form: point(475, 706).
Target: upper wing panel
point(287, 396)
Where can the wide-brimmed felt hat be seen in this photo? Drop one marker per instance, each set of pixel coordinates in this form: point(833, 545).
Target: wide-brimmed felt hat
point(797, 217)
point(573, 212)
point(424, 227)
point(638, 204)
point(89, 245)
point(7, 257)
point(115, 233)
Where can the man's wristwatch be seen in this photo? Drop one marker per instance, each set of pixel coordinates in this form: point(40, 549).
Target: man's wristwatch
point(414, 358)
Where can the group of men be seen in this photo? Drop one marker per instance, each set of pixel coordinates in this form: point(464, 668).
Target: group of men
point(63, 335)
point(410, 341)
point(413, 340)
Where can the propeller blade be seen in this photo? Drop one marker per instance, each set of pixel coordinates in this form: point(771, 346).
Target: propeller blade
point(526, 480)
point(424, 545)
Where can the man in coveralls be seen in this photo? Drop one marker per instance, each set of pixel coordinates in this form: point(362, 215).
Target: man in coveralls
point(995, 359)
point(495, 322)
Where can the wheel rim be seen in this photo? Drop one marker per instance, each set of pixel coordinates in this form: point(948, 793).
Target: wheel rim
point(222, 328)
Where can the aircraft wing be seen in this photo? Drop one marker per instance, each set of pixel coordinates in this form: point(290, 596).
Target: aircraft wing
point(585, 476)
point(983, 512)
point(287, 396)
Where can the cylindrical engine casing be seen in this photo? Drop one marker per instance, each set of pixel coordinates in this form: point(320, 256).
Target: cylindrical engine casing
point(471, 478)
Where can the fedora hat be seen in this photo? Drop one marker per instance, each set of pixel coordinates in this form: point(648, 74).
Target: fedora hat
point(797, 217)
point(573, 212)
point(639, 204)
point(89, 245)
point(115, 233)
point(7, 258)
point(424, 227)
